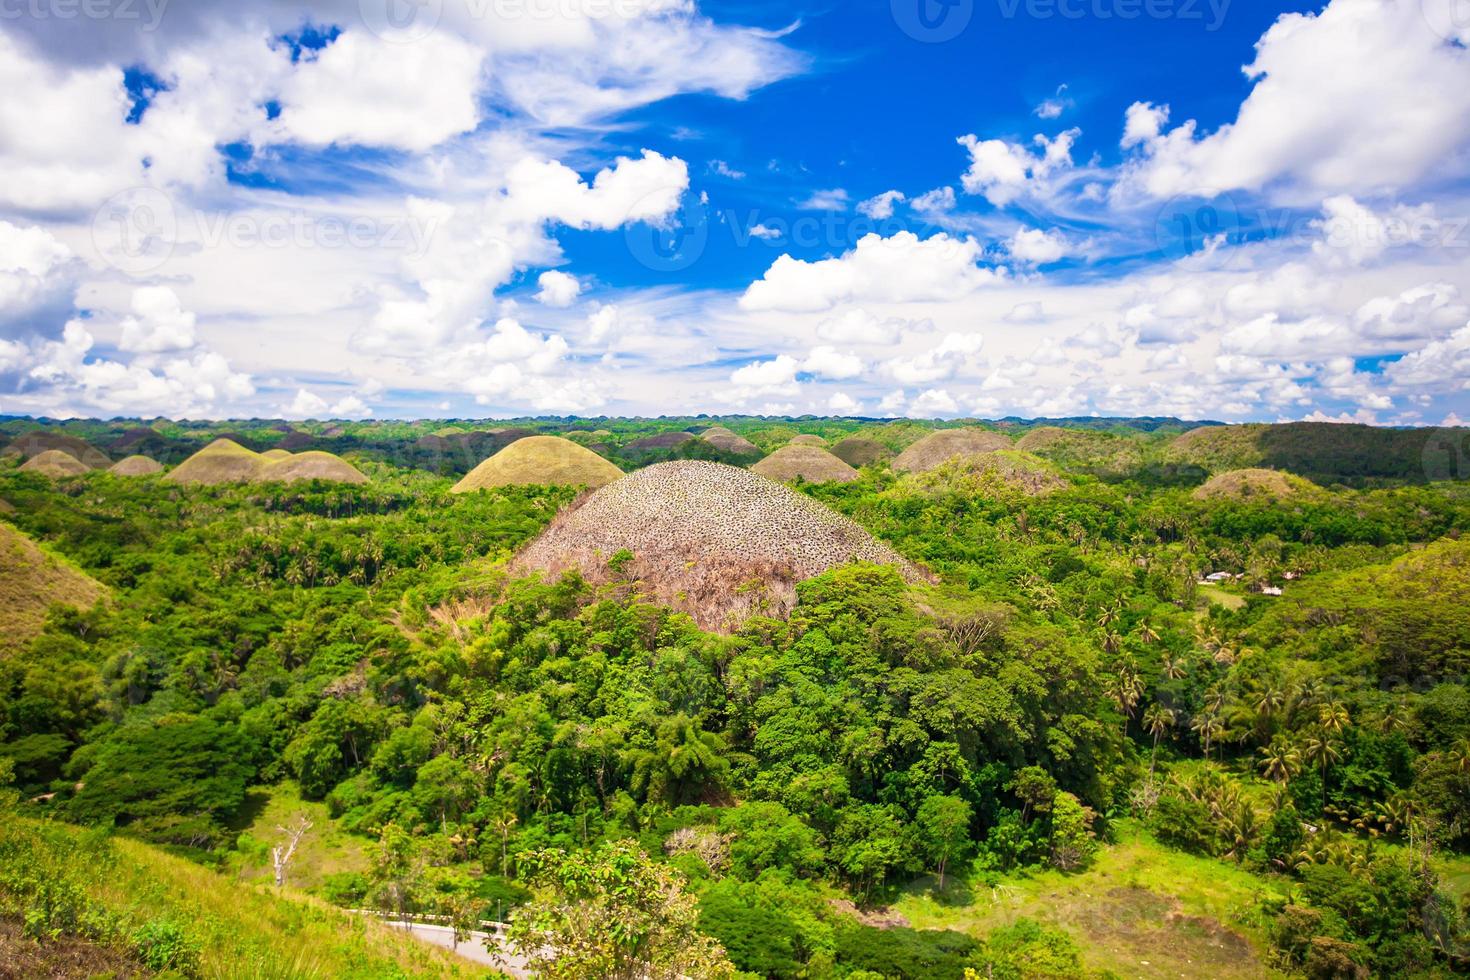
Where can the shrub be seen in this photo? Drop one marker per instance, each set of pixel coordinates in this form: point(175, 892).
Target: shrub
point(163, 944)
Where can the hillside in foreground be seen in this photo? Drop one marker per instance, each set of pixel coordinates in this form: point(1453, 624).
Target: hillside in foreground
point(131, 907)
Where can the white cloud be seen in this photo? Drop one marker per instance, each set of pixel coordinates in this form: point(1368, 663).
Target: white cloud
point(1417, 314)
point(366, 91)
point(159, 322)
point(1314, 126)
point(1143, 123)
point(828, 362)
point(842, 404)
point(1026, 313)
point(834, 199)
point(558, 289)
point(934, 403)
point(1003, 171)
point(1033, 246)
point(899, 269)
point(880, 208)
point(1053, 107)
point(725, 170)
point(307, 405)
point(938, 363)
point(858, 326)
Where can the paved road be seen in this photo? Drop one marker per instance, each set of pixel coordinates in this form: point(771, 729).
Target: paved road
point(480, 947)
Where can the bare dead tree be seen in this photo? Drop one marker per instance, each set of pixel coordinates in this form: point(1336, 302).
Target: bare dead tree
point(282, 854)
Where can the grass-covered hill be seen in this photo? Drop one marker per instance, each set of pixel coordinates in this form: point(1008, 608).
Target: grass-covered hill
point(1129, 713)
point(129, 909)
point(32, 582)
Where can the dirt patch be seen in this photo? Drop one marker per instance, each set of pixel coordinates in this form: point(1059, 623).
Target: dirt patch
point(878, 918)
point(60, 959)
point(1154, 935)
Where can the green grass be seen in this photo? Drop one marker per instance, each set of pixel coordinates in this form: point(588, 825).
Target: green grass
point(1141, 910)
point(1220, 597)
point(107, 889)
point(324, 851)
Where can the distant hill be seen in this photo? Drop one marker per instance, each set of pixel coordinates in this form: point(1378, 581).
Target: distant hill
point(31, 581)
point(1325, 452)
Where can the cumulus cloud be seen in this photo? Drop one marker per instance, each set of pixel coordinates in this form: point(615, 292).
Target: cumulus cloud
point(880, 207)
point(1002, 171)
point(1312, 127)
point(900, 269)
point(558, 289)
point(1034, 246)
point(159, 322)
point(307, 405)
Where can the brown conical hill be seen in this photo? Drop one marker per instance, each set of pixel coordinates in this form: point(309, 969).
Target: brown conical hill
point(857, 451)
point(136, 466)
point(727, 441)
point(810, 463)
point(31, 581)
point(540, 461)
point(32, 444)
point(54, 463)
point(1253, 484)
point(275, 455)
point(702, 534)
point(944, 445)
point(222, 461)
point(808, 440)
point(313, 465)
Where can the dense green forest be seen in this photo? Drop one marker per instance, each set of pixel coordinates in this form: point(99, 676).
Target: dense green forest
point(841, 793)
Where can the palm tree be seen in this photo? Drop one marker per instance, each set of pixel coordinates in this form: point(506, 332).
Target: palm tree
point(1321, 747)
point(1175, 667)
point(1280, 760)
point(1126, 690)
point(1242, 827)
point(1208, 727)
point(1460, 756)
point(1158, 720)
point(1333, 716)
point(1147, 633)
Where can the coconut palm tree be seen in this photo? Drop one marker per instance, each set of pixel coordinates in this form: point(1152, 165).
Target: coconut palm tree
point(1323, 748)
point(1333, 716)
point(1158, 720)
point(1208, 727)
point(1175, 667)
point(1281, 760)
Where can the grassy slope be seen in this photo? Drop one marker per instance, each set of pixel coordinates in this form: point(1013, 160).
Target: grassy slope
point(1141, 910)
point(30, 581)
point(246, 930)
point(324, 851)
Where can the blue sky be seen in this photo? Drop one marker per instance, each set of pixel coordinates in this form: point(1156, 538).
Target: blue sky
point(981, 208)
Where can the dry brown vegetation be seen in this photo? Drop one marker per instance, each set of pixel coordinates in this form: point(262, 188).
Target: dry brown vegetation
point(858, 451)
point(716, 542)
point(809, 440)
point(540, 461)
point(946, 444)
point(54, 463)
point(33, 444)
point(724, 439)
point(1253, 484)
point(226, 461)
point(136, 466)
point(30, 582)
point(805, 462)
